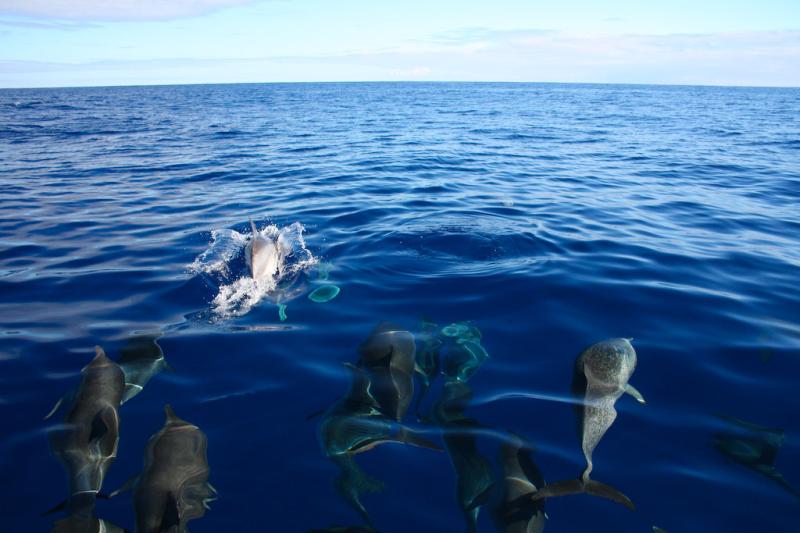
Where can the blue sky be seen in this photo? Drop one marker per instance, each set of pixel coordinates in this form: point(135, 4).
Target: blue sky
point(123, 42)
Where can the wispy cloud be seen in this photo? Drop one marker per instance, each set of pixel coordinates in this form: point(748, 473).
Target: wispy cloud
point(764, 58)
point(114, 10)
point(47, 24)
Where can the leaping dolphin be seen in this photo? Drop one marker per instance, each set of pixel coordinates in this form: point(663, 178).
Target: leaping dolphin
point(264, 256)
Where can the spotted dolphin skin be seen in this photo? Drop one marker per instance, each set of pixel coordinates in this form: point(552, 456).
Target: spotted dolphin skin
point(264, 256)
point(87, 441)
point(601, 376)
point(173, 488)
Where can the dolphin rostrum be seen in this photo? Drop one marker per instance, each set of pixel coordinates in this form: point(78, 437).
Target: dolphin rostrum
point(87, 441)
point(601, 376)
point(173, 488)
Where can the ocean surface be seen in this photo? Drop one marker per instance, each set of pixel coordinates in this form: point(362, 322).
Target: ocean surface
point(537, 218)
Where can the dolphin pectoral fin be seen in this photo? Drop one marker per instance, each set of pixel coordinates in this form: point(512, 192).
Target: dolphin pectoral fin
point(126, 486)
point(630, 389)
point(54, 409)
point(559, 488)
point(481, 498)
point(131, 390)
point(58, 507)
point(408, 436)
point(315, 414)
point(595, 488)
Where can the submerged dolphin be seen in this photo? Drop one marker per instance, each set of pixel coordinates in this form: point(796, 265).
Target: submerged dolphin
point(87, 441)
point(601, 376)
point(353, 425)
point(264, 256)
point(473, 471)
point(140, 359)
point(173, 488)
point(427, 359)
point(755, 447)
point(82, 519)
point(388, 357)
point(517, 512)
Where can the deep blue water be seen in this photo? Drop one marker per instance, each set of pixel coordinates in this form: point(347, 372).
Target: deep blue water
point(549, 216)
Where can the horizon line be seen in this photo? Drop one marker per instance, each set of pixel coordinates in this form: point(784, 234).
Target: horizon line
point(420, 82)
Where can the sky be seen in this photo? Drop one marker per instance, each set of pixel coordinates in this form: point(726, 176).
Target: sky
point(133, 42)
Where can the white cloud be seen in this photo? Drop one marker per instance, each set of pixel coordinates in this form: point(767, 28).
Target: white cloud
point(410, 73)
point(770, 58)
point(114, 10)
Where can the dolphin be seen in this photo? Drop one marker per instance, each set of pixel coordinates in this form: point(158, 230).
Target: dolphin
point(601, 376)
point(517, 512)
point(353, 425)
point(427, 361)
point(173, 488)
point(473, 471)
point(388, 357)
point(755, 447)
point(264, 256)
point(87, 441)
point(82, 519)
point(140, 359)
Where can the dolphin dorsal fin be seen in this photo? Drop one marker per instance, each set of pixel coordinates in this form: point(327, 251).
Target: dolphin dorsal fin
point(253, 227)
point(99, 354)
point(170, 414)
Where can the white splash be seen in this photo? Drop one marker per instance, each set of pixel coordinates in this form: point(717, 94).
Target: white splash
point(225, 245)
point(238, 292)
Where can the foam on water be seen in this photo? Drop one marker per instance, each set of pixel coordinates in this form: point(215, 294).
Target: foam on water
point(237, 291)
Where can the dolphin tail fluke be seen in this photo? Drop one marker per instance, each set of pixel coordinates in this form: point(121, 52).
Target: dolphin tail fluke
point(595, 488)
point(559, 488)
point(408, 436)
point(577, 486)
